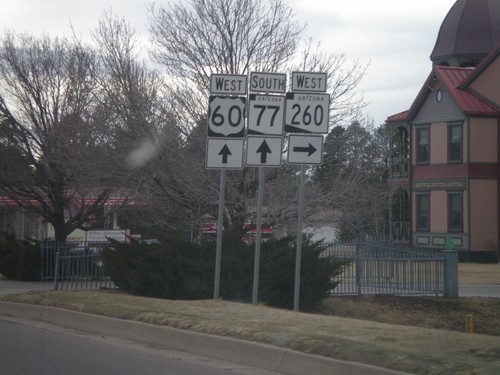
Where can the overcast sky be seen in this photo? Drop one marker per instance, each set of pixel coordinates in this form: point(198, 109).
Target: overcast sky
point(395, 37)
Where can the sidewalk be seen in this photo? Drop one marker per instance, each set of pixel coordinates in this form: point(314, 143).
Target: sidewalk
point(14, 287)
point(479, 291)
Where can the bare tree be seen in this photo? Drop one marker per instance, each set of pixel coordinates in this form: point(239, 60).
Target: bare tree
point(342, 80)
point(79, 123)
point(194, 40)
point(47, 107)
point(223, 36)
point(352, 182)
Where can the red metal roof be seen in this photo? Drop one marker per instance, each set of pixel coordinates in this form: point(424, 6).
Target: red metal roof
point(8, 202)
point(469, 103)
point(398, 117)
point(112, 201)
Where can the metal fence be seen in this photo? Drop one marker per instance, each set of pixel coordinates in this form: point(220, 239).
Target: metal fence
point(371, 268)
point(385, 268)
point(49, 251)
point(75, 265)
point(81, 271)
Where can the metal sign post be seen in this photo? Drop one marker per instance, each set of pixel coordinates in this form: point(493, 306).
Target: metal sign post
point(298, 254)
point(218, 254)
point(256, 268)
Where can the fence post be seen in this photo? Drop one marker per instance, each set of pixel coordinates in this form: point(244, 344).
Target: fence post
point(56, 271)
point(451, 273)
point(358, 268)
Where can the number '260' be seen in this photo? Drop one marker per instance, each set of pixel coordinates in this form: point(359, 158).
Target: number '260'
point(308, 116)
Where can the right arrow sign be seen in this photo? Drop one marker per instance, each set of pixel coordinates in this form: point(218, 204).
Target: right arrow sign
point(305, 149)
point(310, 149)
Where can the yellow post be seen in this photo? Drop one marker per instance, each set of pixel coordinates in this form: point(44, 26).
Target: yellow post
point(470, 324)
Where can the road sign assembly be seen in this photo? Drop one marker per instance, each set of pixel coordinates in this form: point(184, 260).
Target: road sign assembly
point(304, 112)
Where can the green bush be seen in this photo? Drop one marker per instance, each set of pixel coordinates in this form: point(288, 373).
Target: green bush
point(277, 273)
point(177, 269)
point(174, 269)
point(19, 260)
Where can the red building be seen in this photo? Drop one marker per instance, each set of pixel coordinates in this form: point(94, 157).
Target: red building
point(445, 165)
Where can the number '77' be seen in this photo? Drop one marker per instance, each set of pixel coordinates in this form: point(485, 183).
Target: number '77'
point(263, 108)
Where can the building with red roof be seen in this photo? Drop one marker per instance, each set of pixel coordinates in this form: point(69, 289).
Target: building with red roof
point(445, 166)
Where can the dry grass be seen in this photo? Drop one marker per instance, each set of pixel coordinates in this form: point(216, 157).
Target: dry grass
point(408, 348)
point(478, 274)
point(426, 312)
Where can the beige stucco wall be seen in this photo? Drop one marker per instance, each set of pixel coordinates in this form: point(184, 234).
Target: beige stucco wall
point(439, 142)
point(439, 211)
point(484, 214)
point(483, 140)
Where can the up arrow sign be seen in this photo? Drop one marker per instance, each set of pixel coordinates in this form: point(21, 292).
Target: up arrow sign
point(264, 151)
point(225, 152)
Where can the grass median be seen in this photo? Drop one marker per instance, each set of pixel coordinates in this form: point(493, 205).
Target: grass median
point(403, 346)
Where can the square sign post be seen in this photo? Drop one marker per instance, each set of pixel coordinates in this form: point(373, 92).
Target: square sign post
point(307, 112)
point(225, 143)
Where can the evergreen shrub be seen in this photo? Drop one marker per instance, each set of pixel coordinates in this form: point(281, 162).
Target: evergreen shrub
point(177, 269)
point(19, 260)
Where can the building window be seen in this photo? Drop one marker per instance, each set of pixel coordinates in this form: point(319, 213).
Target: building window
point(422, 145)
point(455, 143)
point(455, 212)
point(439, 96)
point(423, 212)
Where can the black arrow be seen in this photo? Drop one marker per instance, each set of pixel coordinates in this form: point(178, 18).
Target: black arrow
point(264, 150)
point(309, 149)
point(225, 152)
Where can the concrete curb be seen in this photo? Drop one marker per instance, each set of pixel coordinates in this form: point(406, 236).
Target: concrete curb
point(224, 348)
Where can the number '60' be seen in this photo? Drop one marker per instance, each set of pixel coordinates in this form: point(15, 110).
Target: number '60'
point(234, 116)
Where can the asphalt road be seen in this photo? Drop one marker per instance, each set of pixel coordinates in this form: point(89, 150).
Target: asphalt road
point(27, 348)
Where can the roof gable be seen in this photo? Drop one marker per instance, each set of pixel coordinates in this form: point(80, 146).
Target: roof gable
point(452, 78)
point(485, 81)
